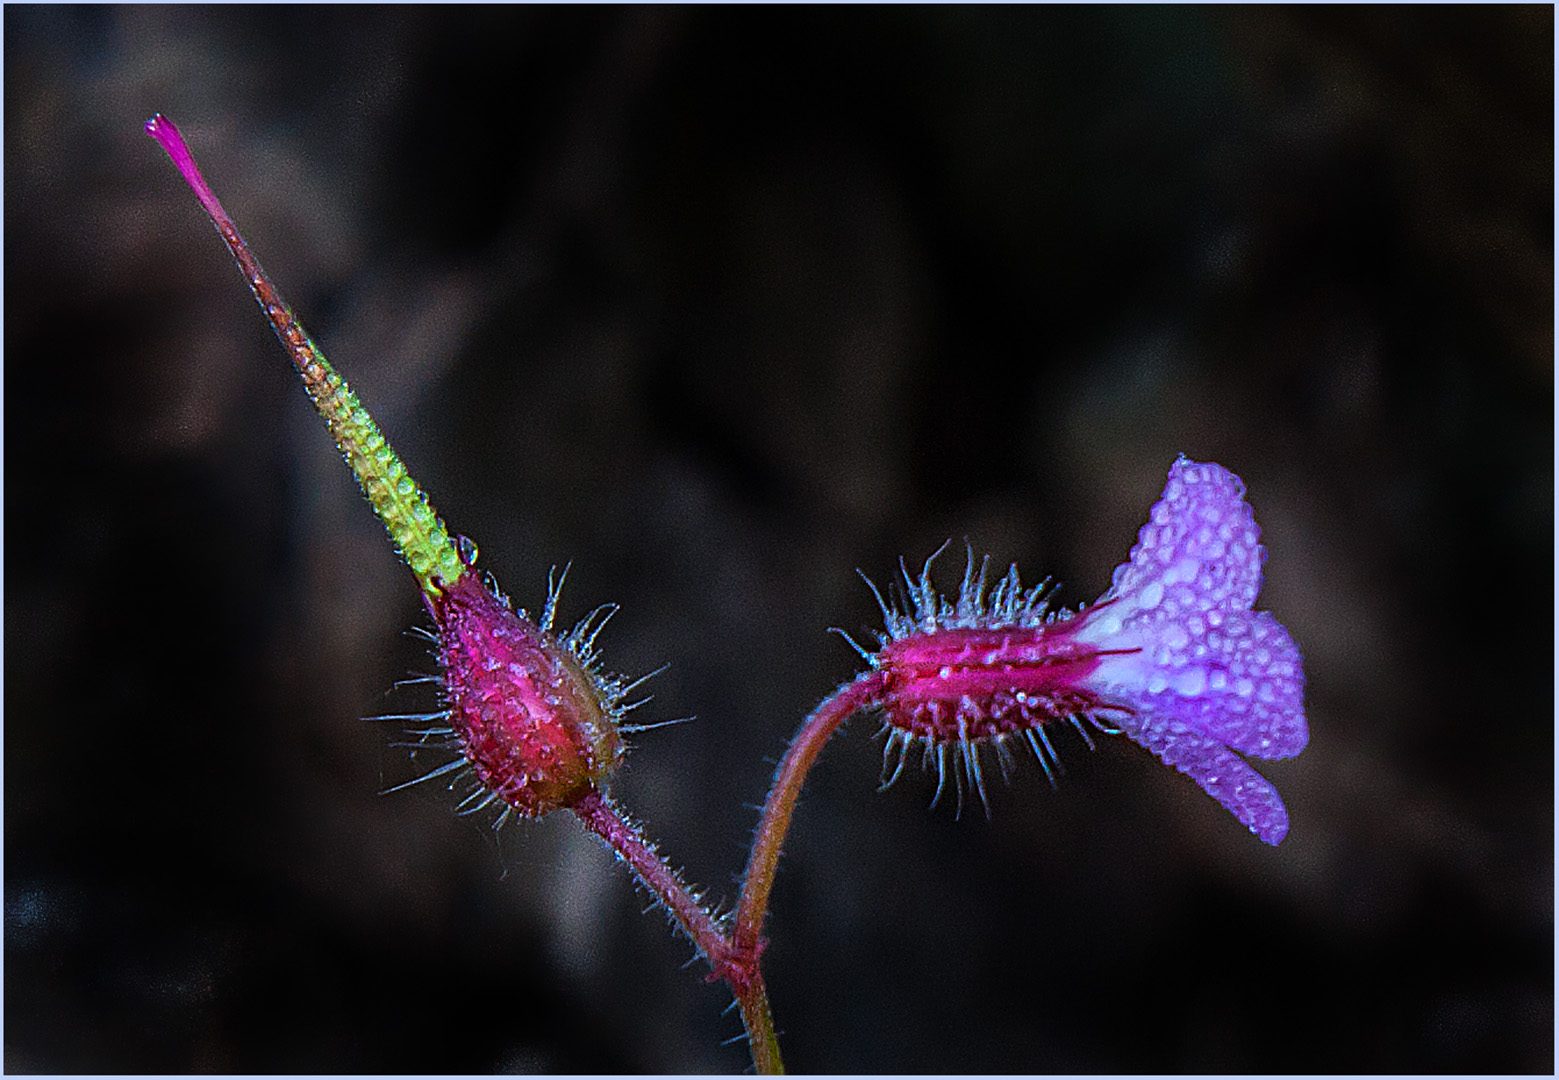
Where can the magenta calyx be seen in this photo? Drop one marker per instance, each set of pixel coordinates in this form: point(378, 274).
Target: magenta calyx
point(533, 716)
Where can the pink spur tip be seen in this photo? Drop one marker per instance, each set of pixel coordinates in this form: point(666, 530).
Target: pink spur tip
point(166, 132)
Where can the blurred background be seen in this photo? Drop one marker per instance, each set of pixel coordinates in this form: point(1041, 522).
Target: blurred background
point(721, 305)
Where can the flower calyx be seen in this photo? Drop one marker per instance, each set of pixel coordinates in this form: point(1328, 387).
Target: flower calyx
point(534, 717)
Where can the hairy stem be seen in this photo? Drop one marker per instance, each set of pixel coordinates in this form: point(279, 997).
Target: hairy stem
point(421, 538)
point(780, 806)
point(624, 837)
point(418, 533)
point(753, 1001)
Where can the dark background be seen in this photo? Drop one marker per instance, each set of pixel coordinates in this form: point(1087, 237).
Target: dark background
point(722, 304)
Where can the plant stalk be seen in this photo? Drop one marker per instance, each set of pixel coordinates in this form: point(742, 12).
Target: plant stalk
point(624, 837)
point(780, 806)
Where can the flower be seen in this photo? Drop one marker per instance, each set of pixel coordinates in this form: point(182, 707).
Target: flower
point(1201, 675)
point(1172, 656)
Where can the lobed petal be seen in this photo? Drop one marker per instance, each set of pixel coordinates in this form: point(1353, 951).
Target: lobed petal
point(1244, 792)
point(1236, 677)
point(1200, 550)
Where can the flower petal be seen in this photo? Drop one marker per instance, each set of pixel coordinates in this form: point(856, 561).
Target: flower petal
point(1195, 671)
point(1254, 695)
point(1182, 602)
point(1243, 791)
point(1233, 676)
point(1200, 550)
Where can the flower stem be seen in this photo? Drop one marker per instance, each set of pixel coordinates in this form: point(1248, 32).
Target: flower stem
point(781, 805)
point(753, 1001)
point(735, 959)
point(738, 971)
point(625, 838)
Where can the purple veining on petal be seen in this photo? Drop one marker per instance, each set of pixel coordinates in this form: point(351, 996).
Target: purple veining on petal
point(1205, 672)
point(1234, 676)
point(1254, 696)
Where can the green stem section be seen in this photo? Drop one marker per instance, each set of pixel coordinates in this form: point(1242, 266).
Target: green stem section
point(753, 1001)
point(414, 526)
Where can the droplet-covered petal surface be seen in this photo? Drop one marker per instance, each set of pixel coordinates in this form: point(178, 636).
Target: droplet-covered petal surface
point(1200, 671)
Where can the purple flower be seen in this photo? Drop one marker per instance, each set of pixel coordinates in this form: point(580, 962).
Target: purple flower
point(1199, 673)
point(1172, 656)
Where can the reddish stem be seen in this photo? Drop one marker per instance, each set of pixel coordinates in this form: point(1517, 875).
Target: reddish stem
point(778, 809)
point(735, 958)
point(739, 971)
point(607, 822)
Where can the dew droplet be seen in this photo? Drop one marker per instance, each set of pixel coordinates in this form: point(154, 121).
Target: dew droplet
point(467, 549)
